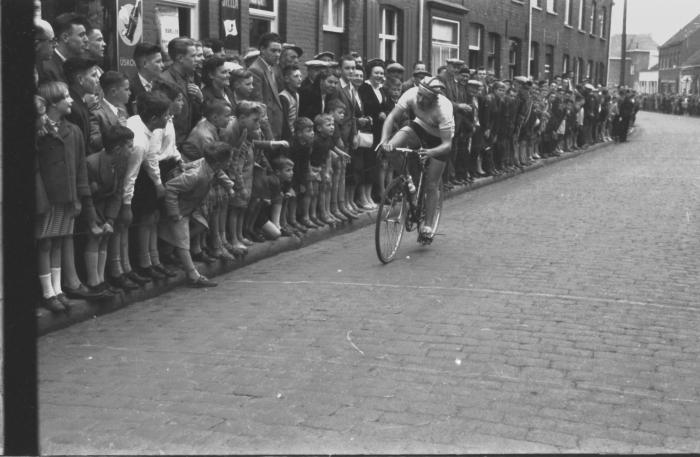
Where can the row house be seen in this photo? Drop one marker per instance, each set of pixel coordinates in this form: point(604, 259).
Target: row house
point(641, 53)
point(679, 61)
point(540, 38)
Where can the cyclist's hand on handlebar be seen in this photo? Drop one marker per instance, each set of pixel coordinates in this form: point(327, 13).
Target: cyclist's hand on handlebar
point(423, 154)
point(386, 147)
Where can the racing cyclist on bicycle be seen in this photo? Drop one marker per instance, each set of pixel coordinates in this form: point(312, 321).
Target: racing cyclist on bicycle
point(431, 132)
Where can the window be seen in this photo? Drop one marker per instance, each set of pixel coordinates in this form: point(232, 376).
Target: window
point(537, 3)
point(581, 14)
point(534, 60)
point(514, 57)
point(593, 19)
point(263, 19)
point(552, 6)
point(589, 70)
point(568, 13)
point(476, 38)
point(389, 34)
point(603, 20)
point(444, 41)
point(565, 64)
point(334, 16)
point(549, 61)
point(493, 62)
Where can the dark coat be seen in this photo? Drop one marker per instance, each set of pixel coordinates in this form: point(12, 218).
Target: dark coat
point(106, 182)
point(80, 116)
point(101, 120)
point(373, 107)
point(184, 121)
point(61, 162)
point(264, 92)
point(51, 70)
point(136, 89)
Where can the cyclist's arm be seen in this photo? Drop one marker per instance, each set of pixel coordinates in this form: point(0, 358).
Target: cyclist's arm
point(388, 126)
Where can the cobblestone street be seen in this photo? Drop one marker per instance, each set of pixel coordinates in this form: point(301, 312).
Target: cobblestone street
point(560, 312)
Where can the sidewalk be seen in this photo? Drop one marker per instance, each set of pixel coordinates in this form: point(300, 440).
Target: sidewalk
point(83, 310)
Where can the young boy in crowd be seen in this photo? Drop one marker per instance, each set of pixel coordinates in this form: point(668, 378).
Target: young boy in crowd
point(321, 155)
point(283, 169)
point(184, 195)
point(106, 170)
point(342, 138)
point(300, 153)
point(216, 116)
point(289, 98)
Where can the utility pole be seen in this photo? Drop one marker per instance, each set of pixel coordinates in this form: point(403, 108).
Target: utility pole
point(623, 54)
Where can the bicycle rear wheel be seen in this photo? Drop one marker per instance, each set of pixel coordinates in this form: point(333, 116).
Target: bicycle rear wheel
point(391, 220)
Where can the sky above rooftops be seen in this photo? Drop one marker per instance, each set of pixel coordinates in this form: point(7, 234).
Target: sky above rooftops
point(661, 18)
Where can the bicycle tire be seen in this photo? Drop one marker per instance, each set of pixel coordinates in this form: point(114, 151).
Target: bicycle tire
point(391, 221)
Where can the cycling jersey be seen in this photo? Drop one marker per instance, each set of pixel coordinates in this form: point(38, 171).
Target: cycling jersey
point(439, 118)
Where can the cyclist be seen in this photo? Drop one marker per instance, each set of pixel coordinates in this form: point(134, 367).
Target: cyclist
point(431, 131)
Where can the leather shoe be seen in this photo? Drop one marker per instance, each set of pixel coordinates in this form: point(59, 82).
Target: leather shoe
point(123, 283)
point(150, 272)
point(52, 304)
point(297, 226)
point(224, 255)
point(202, 257)
point(137, 278)
point(201, 282)
point(82, 292)
point(63, 299)
point(162, 269)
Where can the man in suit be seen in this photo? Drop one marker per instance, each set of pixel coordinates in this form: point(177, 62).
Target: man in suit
point(71, 42)
point(83, 84)
point(44, 44)
point(265, 88)
point(183, 52)
point(112, 109)
point(149, 65)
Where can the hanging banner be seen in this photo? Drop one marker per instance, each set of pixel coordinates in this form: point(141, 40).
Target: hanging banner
point(168, 22)
point(129, 32)
point(230, 25)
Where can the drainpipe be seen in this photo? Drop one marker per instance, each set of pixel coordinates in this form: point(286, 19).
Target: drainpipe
point(529, 36)
point(420, 29)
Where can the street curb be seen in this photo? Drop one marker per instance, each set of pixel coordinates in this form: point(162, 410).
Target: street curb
point(83, 310)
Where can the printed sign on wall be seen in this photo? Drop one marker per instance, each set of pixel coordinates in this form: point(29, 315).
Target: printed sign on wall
point(168, 25)
point(129, 31)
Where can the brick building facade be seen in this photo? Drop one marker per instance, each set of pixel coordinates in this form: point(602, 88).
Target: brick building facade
point(679, 61)
point(564, 35)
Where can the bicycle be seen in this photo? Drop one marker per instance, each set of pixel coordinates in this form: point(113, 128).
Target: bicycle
point(402, 208)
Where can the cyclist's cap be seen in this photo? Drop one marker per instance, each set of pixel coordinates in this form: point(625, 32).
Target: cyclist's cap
point(421, 73)
point(395, 66)
point(315, 63)
point(432, 85)
point(457, 62)
point(474, 82)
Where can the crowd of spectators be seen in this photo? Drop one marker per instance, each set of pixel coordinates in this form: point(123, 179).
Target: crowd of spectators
point(199, 154)
point(680, 104)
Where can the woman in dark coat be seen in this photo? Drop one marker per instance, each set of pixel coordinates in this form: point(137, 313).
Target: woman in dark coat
point(376, 104)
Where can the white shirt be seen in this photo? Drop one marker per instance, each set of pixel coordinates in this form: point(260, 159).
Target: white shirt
point(163, 143)
point(114, 109)
point(143, 154)
point(434, 121)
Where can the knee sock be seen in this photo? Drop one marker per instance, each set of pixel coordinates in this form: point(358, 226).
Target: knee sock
point(91, 268)
point(101, 264)
point(56, 280)
point(46, 286)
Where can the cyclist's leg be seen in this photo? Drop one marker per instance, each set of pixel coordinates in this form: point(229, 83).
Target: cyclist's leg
point(405, 138)
point(432, 181)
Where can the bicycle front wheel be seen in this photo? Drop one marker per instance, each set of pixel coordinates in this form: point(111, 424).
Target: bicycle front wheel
point(391, 220)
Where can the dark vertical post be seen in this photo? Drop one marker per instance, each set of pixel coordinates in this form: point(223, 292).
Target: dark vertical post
point(623, 54)
point(18, 254)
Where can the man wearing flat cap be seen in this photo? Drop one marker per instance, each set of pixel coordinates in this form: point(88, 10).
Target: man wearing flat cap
point(265, 89)
point(328, 56)
point(289, 56)
point(523, 119)
point(313, 67)
point(419, 72)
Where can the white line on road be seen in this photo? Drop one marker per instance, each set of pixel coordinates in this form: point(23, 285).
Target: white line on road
point(473, 289)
